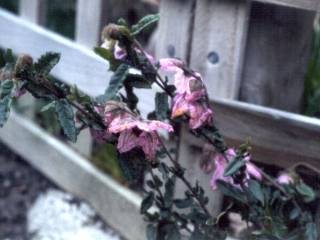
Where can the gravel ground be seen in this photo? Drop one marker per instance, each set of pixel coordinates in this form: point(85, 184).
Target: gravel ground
point(33, 208)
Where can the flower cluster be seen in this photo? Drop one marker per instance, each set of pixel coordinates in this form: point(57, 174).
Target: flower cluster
point(191, 98)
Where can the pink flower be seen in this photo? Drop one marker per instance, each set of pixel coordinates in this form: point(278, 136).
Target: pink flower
point(285, 179)
point(191, 96)
point(198, 112)
point(221, 162)
point(220, 165)
point(121, 53)
point(135, 132)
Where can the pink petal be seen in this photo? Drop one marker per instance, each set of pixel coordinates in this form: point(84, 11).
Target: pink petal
point(171, 64)
point(149, 143)
point(285, 179)
point(119, 53)
point(127, 141)
point(253, 171)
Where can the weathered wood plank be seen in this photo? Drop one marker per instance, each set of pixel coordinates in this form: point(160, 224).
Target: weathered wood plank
point(33, 10)
point(173, 36)
point(278, 137)
point(115, 203)
point(218, 42)
point(220, 31)
point(89, 21)
point(312, 5)
point(279, 42)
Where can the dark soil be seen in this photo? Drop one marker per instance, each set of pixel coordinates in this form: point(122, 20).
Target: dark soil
point(20, 184)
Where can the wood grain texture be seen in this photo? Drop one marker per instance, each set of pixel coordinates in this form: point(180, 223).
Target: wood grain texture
point(220, 30)
point(312, 5)
point(277, 55)
point(33, 10)
point(114, 202)
point(89, 21)
point(278, 137)
point(174, 28)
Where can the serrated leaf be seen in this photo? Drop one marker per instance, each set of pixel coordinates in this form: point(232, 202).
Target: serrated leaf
point(66, 119)
point(147, 203)
point(107, 55)
point(144, 23)
point(46, 62)
point(152, 232)
point(231, 191)
point(116, 82)
point(311, 231)
point(173, 232)
point(183, 203)
point(169, 192)
point(234, 166)
point(48, 106)
point(6, 95)
point(162, 105)
point(256, 190)
point(307, 192)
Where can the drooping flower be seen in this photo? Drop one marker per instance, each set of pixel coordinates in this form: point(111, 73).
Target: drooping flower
point(285, 179)
point(191, 96)
point(221, 163)
point(137, 133)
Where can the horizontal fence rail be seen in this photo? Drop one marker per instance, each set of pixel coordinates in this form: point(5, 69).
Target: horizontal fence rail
point(312, 5)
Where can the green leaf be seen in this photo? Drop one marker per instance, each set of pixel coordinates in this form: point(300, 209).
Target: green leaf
point(6, 95)
point(183, 203)
point(138, 81)
point(173, 232)
point(231, 191)
point(46, 62)
point(147, 203)
point(116, 82)
point(169, 192)
point(162, 105)
point(107, 55)
point(152, 232)
point(234, 166)
point(144, 23)
point(311, 231)
point(307, 192)
point(48, 106)
point(66, 119)
point(8, 56)
point(256, 190)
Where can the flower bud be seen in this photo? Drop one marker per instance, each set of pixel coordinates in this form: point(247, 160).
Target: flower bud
point(115, 32)
point(23, 63)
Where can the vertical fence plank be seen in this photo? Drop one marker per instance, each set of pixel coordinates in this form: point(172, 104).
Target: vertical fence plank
point(173, 35)
point(276, 59)
point(33, 10)
point(89, 17)
point(220, 31)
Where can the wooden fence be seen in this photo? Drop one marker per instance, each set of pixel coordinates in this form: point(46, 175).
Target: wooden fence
point(253, 51)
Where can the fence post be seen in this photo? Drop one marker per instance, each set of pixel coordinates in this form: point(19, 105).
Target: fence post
point(33, 10)
point(220, 30)
point(89, 20)
point(279, 44)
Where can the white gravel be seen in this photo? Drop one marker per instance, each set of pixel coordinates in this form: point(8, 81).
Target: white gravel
point(54, 216)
